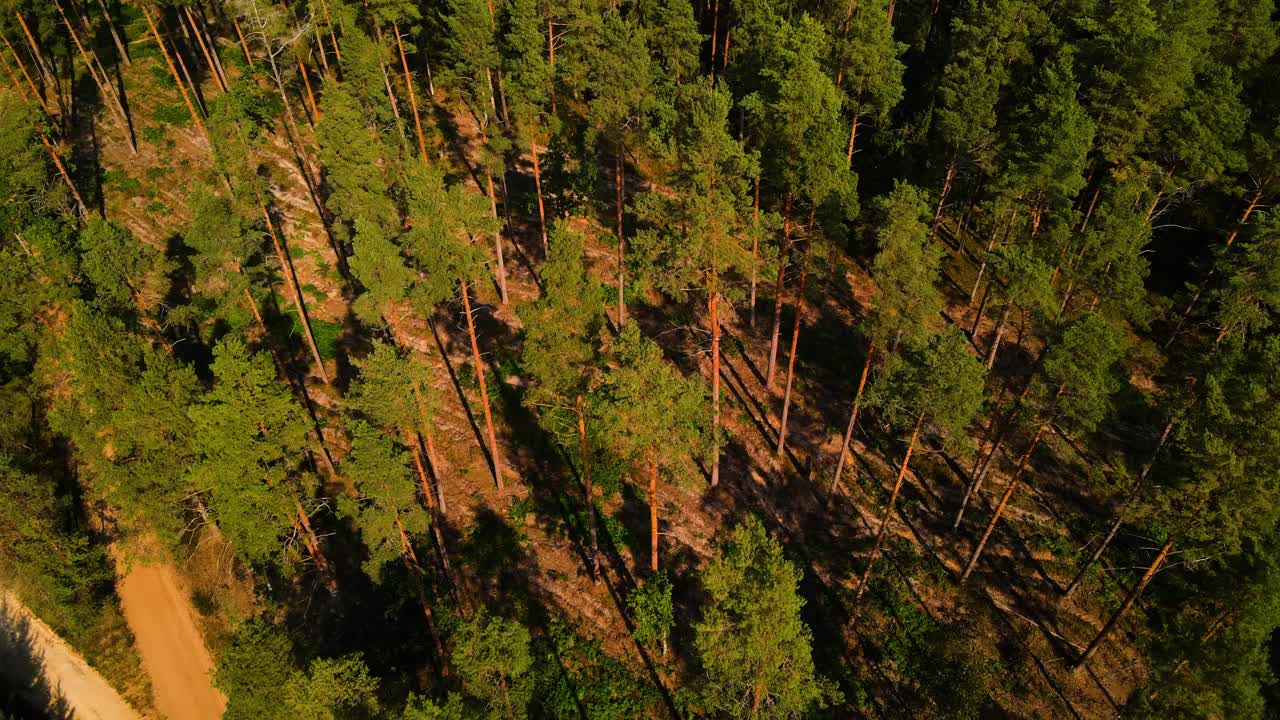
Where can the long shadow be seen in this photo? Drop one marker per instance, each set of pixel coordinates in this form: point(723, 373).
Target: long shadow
point(25, 691)
point(457, 386)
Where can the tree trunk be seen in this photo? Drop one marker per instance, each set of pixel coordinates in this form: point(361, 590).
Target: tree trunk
point(204, 49)
point(432, 457)
point(777, 292)
point(715, 34)
point(62, 170)
point(653, 515)
point(178, 56)
point(755, 253)
point(791, 359)
point(590, 490)
point(853, 133)
point(46, 73)
point(317, 554)
point(618, 182)
point(853, 420)
point(537, 183)
point(551, 58)
point(413, 102)
point(105, 88)
point(484, 390)
point(888, 511)
point(23, 67)
point(977, 317)
point(286, 269)
point(1004, 502)
point(497, 237)
point(248, 57)
point(714, 309)
point(1129, 600)
point(1134, 494)
point(982, 269)
point(995, 339)
point(168, 59)
point(314, 116)
point(942, 197)
point(410, 559)
point(328, 19)
point(115, 36)
point(203, 29)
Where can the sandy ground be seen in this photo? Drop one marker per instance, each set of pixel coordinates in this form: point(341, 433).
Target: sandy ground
point(173, 653)
point(78, 687)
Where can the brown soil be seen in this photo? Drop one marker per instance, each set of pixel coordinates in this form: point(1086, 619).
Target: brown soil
point(159, 612)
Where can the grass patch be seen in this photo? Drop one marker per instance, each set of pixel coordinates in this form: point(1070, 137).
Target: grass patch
point(327, 335)
point(158, 208)
point(171, 114)
point(122, 181)
point(316, 293)
point(153, 134)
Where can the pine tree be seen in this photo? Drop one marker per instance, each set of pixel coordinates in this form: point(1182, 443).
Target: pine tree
point(652, 416)
point(752, 643)
point(493, 657)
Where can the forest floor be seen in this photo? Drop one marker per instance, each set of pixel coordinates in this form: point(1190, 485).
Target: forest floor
point(56, 676)
point(537, 512)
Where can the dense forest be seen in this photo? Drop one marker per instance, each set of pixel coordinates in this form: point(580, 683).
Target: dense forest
point(648, 358)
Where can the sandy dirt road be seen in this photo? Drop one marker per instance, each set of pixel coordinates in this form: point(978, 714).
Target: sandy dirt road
point(67, 676)
point(173, 653)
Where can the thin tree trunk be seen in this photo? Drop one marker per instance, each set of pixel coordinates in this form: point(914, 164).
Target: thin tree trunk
point(432, 457)
point(484, 390)
point(182, 88)
point(888, 511)
point(724, 59)
point(715, 32)
point(202, 27)
point(653, 515)
point(755, 252)
point(204, 49)
point(853, 133)
point(248, 57)
point(777, 292)
point(1129, 600)
point(328, 19)
point(977, 317)
point(317, 554)
point(551, 58)
point(537, 182)
point(410, 559)
point(1134, 494)
point(497, 237)
point(942, 197)
point(1004, 502)
point(186, 72)
point(982, 269)
point(286, 269)
point(62, 170)
point(413, 102)
point(23, 67)
point(618, 181)
point(105, 88)
point(41, 65)
point(853, 420)
point(590, 490)
point(995, 340)
point(791, 359)
point(714, 310)
point(314, 109)
point(115, 36)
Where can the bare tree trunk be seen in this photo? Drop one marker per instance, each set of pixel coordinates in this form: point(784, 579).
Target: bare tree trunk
point(204, 49)
point(853, 420)
point(537, 182)
point(413, 102)
point(590, 491)
point(1134, 494)
point(1129, 600)
point(791, 359)
point(182, 88)
point(755, 253)
point(248, 57)
point(653, 515)
point(853, 133)
point(1004, 502)
point(286, 269)
point(942, 197)
point(484, 390)
point(888, 510)
point(714, 310)
point(715, 32)
point(178, 55)
point(22, 66)
point(777, 292)
point(497, 237)
point(105, 88)
point(46, 72)
point(313, 545)
point(618, 181)
point(115, 36)
point(62, 170)
point(982, 269)
point(995, 339)
point(410, 559)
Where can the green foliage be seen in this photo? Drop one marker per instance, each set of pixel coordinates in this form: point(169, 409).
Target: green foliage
point(387, 511)
point(752, 644)
point(383, 392)
point(253, 670)
point(941, 382)
point(1080, 373)
point(493, 659)
point(906, 270)
point(357, 168)
point(117, 265)
point(251, 436)
point(651, 611)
